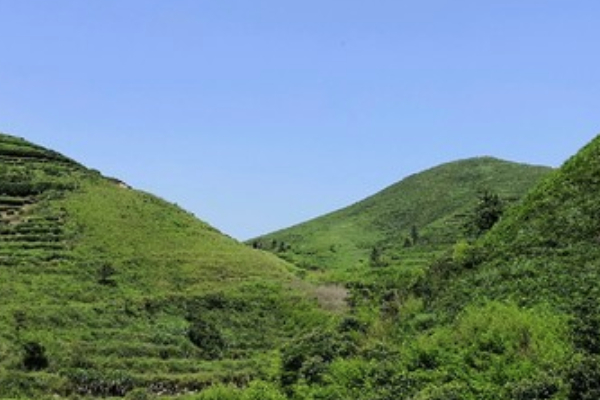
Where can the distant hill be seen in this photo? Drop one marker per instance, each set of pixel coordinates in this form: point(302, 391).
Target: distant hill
point(409, 222)
point(105, 288)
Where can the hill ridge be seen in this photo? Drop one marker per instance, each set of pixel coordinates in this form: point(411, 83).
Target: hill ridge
point(427, 204)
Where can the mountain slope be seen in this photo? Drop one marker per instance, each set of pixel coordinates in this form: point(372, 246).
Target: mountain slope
point(547, 248)
point(407, 222)
point(106, 288)
point(512, 315)
point(540, 262)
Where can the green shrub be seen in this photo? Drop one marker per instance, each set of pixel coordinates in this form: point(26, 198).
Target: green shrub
point(308, 357)
point(207, 337)
point(539, 387)
point(584, 378)
point(219, 392)
point(498, 348)
point(34, 357)
point(259, 390)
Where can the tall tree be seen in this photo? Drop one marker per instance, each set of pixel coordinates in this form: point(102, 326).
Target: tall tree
point(487, 213)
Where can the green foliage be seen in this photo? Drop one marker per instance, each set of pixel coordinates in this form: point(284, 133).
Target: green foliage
point(257, 390)
point(30, 385)
point(462, 253)
point(376, 258)
point(494, 351)
point(106, 275)
point(308, 357)
point(208, 338)
point(584, 378)
point(487, 213)
point(34, 357)
point(260, 390)
point(219, 392)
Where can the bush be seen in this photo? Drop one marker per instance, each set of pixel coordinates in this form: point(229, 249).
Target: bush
point(584, 379)
point(259, 390)
point(308, 357)
point(500, 348)
point(208, 338)
point(219, 392)
point(537, 388)
point(34, 358)
point(30, 385)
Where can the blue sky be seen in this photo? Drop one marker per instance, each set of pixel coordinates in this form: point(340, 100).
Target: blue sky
point(256, 115)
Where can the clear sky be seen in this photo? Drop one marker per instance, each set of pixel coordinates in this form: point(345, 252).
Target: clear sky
point(256, 115)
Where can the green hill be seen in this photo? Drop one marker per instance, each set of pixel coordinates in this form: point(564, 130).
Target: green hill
point(518, 311)
point(105, 289)
point(108, 291)
point(407, 223)
point(512, 315)
point(545, 250)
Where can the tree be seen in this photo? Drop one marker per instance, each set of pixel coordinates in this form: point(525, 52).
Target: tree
point(106, 275)
point(487, 213)
point(376, 257)
point(414, 234)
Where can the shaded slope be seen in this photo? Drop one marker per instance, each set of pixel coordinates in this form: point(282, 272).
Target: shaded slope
point(407, 222)
point(121, 289)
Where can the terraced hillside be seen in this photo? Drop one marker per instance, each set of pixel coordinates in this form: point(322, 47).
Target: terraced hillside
point(29, 174)
point(106, 289)
point(406, 225)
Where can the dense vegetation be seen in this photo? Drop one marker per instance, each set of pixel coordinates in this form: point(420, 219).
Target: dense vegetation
point(464, 291)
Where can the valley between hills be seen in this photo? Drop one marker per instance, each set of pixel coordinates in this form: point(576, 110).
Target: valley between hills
point(476, 279)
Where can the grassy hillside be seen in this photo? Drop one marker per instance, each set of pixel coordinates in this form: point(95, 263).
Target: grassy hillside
point(106, 289)
point(407, 223)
